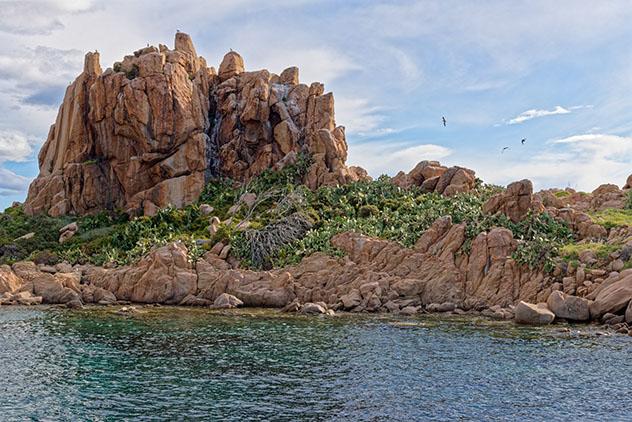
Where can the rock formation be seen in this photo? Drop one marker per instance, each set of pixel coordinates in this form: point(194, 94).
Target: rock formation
point(375, 275)
point(515, 202)
point(156, 127)
point(431, 176)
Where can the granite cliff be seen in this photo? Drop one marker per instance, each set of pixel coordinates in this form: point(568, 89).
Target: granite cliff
point(152, 130)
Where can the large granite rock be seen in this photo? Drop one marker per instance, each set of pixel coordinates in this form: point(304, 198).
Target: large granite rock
point(156, 127)
point(528, 313)
point(613, 298)
point(515, 202)
point(431, 176)
point(569, 307)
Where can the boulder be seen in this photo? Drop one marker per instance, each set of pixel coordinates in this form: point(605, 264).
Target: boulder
point(26, 298)
point(569, 307)
point(515, 202)
point(628, 313)
point(433, 177)
point(441, 307)
point(226, 300)
point(528, 313)
point(613, 298)
point(9, 281)
point(313, 308)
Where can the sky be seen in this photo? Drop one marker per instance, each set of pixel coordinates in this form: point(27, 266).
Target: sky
point(558, 74)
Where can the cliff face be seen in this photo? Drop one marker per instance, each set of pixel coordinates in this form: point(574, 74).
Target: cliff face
point(154, 129)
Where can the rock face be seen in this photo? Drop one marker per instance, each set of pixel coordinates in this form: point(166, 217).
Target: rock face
point(431, 176)
point(515, 202)
point(156, 127)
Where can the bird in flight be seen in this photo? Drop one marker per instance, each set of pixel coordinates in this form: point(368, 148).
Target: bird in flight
point(523, 141)
point(445, 122)
point(503, 150)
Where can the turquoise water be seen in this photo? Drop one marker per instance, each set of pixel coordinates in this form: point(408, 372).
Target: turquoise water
point(182, 364)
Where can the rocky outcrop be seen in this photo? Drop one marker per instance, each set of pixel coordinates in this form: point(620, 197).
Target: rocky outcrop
point(156, 127)
point(515, 202)
point(431, 176)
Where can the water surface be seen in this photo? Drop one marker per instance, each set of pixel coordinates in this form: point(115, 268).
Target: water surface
point(175, 364)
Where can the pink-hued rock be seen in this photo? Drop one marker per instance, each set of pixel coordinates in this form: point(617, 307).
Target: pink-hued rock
point(153, 130)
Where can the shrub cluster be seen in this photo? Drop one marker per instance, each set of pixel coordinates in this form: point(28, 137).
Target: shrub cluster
point(285, 223)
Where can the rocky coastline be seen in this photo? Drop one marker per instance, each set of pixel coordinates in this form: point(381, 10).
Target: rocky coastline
point(161, 128)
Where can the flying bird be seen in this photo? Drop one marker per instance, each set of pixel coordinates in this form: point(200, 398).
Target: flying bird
point(503, 150)
point(445, 122)
point(523, 141)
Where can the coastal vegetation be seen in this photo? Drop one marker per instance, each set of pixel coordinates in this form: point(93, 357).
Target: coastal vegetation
point(282, 223)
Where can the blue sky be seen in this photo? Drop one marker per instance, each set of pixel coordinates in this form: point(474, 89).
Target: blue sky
point(556, 73)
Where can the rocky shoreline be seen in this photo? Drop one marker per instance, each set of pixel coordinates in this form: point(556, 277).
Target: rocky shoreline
point(160, 130)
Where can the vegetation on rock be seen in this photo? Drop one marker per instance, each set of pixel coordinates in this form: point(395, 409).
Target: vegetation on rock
point(284, 223)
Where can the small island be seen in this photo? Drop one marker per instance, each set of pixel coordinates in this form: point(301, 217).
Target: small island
point(165, 181)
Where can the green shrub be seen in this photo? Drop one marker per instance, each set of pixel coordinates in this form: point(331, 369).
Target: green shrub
point(628, 200)
point(368, 211)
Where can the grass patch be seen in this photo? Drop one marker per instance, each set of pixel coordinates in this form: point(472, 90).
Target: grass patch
point(613, 217)
point(572, 251)
point(562, 194)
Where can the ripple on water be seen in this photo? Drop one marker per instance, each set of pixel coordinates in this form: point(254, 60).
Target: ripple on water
point(172, 363)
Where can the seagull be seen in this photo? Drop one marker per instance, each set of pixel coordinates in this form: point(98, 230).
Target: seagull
point(503, 150)
point(444, 121)
point(523, 141)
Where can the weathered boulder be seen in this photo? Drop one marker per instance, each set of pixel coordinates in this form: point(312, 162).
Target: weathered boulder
point(154, 129)
point(227, 301)
point(431, 176)
point(528, 313)
point(313, 308)
point(163, 276)
point(569, 307)
point(515, 202)
point(53, 288)
point(613, 298)
point(9, 282)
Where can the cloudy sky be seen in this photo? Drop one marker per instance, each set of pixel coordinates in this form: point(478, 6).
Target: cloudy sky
point(556, 73)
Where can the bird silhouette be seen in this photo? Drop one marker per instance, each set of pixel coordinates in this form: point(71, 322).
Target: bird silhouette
point(444, 121)
point(177, 30)
point(503, 150)
point(523, 141)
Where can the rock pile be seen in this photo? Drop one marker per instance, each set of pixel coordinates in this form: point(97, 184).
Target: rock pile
point(154, 128)
point(431, 176)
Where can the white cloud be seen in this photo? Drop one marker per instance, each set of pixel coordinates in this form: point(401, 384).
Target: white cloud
point(14, 146)
point(383, 157)
point(534, 113)
point(580, 161)
point(11, 183)
point(38, 17)
point(357, 115)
